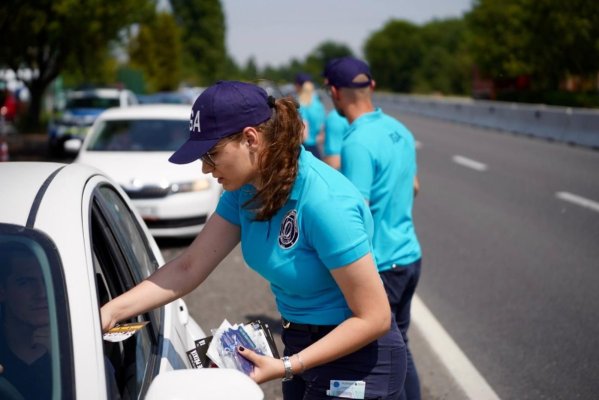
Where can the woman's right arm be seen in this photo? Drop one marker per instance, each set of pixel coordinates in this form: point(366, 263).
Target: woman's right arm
point(177, 277)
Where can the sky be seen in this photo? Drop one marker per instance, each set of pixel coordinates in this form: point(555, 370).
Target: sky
point(275, 31)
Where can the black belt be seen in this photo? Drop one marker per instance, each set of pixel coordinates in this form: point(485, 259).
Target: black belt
point(294, 326)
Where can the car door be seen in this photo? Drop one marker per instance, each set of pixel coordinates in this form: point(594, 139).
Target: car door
point(123, 257)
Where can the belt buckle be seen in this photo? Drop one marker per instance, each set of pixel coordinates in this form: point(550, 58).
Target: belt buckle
point(286, 324)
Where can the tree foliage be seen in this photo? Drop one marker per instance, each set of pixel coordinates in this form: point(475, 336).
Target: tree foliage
point(444, 64)
point(47, 35)
point(322, 54)
point(545, 39)
point(394, 53)
point(157, 51)
point(313, 64)
point(203, 25)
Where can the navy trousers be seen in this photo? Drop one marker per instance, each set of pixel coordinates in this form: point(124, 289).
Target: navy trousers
point(400, 283)
point(380, 364)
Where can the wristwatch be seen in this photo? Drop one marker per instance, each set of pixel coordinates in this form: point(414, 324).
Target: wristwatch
point(288, 369)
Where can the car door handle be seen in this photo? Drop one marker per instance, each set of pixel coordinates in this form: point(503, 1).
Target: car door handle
point(182, 312)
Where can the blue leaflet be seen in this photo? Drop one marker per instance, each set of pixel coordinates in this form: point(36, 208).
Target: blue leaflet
point(230, 340)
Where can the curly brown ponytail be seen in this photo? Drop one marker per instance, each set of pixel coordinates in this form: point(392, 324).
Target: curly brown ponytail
point(278, 161)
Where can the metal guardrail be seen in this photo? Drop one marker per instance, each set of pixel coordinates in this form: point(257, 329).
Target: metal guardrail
point(578, 126)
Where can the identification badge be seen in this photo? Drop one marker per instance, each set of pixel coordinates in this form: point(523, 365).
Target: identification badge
point(347, 389)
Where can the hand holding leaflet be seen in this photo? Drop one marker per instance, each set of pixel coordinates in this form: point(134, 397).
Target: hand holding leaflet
point(223, 344)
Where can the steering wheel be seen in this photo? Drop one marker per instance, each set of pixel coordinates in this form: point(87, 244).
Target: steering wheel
point(8, 391)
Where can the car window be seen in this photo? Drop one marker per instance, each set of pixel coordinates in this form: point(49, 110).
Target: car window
point(128, 233)
point(139, 135)
point(34, 321)
point(122, 259)
point(92, 102)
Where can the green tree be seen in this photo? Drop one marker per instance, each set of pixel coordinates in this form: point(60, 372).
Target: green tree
point(394, 54)
point(46, 35)
point(251, 71)
point(546, 39)
point(572, 27)
point(203, 25)
point(157, 51)
point(498, 38)
point(445, 63)
point(322, 54)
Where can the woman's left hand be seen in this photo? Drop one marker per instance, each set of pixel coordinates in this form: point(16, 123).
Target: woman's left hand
point(265, 368)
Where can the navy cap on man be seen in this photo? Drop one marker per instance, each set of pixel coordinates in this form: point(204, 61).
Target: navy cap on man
point(347, 72)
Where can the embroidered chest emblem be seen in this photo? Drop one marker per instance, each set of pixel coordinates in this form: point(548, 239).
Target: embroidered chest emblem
point(289, 230)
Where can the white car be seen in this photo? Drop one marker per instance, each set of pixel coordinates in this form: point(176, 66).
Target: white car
point(132, 146)
point(69, 242)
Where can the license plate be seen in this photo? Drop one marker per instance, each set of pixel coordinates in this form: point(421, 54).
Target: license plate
point(147, 212)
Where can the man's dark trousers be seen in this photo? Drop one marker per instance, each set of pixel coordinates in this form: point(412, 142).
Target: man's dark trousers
point(400, 283)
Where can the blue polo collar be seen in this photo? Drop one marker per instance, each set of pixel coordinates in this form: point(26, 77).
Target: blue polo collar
point(300, 179)
point(362, 120)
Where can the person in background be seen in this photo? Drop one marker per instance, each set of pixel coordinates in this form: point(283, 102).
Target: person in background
point(334, 128)
point(305, 228)
point(312, 112)
point(379, 156)
point(8, 105)
point(24, 321)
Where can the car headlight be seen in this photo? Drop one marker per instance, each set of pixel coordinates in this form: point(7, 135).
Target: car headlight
point(194, 186)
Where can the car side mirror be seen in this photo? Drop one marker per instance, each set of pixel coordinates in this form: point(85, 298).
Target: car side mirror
point(207, 383)
point(72, 146)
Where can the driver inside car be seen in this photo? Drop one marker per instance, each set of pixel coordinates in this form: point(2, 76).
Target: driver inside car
point(24, 320)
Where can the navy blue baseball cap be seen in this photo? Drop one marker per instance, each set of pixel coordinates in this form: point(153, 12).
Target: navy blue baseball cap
point(342, 72)
point(222, 110)
point(302, 77)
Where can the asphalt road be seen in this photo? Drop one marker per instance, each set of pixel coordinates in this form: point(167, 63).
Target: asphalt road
point(511, 269)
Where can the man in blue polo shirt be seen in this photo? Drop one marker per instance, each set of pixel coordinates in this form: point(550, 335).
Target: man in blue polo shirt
point(379, 156)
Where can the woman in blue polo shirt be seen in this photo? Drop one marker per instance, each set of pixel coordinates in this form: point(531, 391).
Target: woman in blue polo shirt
point(311, 111)
point(303, 227)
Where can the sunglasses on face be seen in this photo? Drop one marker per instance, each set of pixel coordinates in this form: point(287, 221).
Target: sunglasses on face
point(208, 160)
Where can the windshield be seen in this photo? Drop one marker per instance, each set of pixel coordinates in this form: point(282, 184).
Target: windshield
point(139, 135)
point(33, 317)
point(93, 102)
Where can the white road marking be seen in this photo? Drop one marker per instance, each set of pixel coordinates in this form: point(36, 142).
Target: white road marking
point(455, 361)
point(469, 163)
point(578, 200)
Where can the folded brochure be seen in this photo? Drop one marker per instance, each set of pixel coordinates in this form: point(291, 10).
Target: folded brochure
point(220, 349)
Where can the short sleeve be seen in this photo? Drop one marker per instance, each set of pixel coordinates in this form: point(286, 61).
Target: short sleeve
point(340, 230)
point(228, 207)
point(334, 128)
